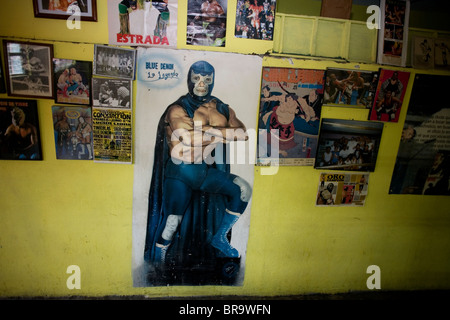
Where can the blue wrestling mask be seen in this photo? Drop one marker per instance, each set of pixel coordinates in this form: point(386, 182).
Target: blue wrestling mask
point(200, 80)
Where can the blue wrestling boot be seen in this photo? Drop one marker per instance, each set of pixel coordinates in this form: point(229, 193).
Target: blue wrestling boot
point(160, 253)
point(220, 241)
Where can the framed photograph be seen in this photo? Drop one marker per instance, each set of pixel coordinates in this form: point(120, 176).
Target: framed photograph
point(350, 88)
point(348, 145)
point(73, 132)
point(114, 62)
point(72, 81)
point(389, 95)
point(28, 69)
point(112, 93)
point(63, 9)
point(19, 130)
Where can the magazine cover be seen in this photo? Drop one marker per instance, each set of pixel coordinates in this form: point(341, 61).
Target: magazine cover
point(423, 53)
point(389, 96)
point(289, 115)
point(19, 130)
point(206, 23)
point(143, 22)
point(195, 149)
point(73, 132)
point(112, 135)
point(342, 189)
point(348, 145)
point(255, 19)
point(354, 88)
point(393, 34)
point(72, 81)
point(422, 164)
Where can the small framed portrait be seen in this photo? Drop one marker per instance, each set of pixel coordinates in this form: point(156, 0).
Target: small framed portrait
point(63, 9)
point(28, 69)
point(114, 62)
point(111, 93)
point(72, 81)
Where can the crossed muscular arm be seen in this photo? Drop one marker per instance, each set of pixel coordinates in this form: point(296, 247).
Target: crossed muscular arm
point(199, 132)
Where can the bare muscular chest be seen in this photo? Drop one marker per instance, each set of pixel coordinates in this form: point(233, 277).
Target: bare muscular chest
point(209, 116)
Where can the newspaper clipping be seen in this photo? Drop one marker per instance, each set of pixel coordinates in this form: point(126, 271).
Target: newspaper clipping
point(342, 189)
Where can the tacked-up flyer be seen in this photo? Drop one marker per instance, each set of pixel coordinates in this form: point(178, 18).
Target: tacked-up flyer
point(112, 135)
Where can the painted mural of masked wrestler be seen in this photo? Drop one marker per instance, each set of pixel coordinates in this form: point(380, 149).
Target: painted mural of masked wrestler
point(194, 203)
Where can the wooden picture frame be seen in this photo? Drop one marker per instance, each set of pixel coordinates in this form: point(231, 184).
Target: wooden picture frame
point(28, 69)
point(52, 9)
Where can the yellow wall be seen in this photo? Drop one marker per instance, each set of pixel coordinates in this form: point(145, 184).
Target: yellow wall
point(60, 213)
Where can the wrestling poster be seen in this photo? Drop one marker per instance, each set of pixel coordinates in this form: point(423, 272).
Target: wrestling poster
point(342, 189)
point(206, 23)
point(73, 132)
point(19, 130)
point(112, 135)
point(350, 88)
point(289, 115)
point(255, 19)
point(389, 95)
point(423, 159)
point(393, 33)
point(143, 23)
point(194, 162)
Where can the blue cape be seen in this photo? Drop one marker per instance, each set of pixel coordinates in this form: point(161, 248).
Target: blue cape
point(190, 246)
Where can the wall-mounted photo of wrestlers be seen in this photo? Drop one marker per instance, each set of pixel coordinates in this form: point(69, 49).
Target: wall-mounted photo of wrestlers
point(194, 158)
point(348, 145)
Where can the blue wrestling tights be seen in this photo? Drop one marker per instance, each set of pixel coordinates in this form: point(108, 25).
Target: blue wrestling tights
point(180, 182)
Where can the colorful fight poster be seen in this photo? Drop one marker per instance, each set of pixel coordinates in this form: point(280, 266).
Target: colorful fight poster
point(19, 130)
point(342, 189)
point(389, 96)
point(350, 88)
point(255, 19)
point(112, 135)
point(393, 34)
point(73, 132)
point(423, 159)
point(290, 108)
point(194, 163)
point(143, 22)
point(72, 81)
point(206, 23)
